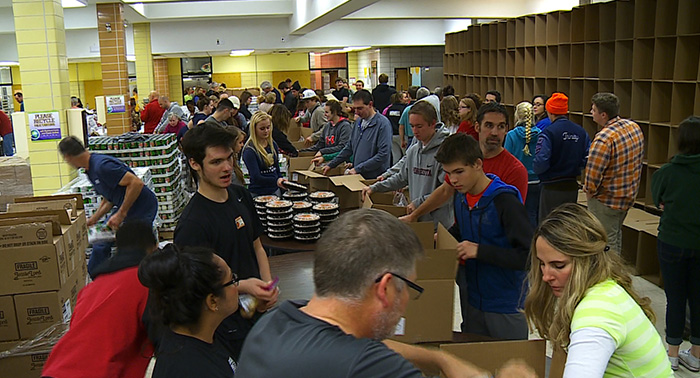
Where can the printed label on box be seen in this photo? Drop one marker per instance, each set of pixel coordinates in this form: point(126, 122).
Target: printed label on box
point(67, 313)
point(39, 315)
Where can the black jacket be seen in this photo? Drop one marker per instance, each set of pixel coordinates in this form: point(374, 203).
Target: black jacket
point(382, 96)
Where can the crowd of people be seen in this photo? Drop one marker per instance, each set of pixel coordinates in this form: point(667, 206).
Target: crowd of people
point(530, 257)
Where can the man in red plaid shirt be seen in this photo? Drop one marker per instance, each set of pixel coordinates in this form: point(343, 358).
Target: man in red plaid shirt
point(614, 167)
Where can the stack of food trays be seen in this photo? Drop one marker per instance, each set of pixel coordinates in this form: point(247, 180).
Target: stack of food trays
point(321, 197)
point(301, 207)
point(328, 213)
point(307, 227)
point(279, 219)
point(293, 196)
point(260, 202)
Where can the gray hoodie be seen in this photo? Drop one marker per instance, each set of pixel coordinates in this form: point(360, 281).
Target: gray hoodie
point(423, 175)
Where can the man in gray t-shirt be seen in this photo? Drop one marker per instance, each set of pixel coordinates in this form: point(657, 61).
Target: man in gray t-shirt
point(363, 271)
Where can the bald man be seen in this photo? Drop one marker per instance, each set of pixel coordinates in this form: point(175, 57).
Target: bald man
point(151, 113)
point(168, 109)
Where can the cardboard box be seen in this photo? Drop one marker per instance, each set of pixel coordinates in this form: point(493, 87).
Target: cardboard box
point(15, 180)
point(429, 319)
point(298, 145)
point(68, 205)
point(77, 196)
point(492, 355)
point(384, 201)
point(8, 319)
point(315, 178)
point(25, 365)
point(35, 259)
point(38, 311)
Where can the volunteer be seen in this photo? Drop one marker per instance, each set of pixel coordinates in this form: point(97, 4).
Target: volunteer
point(581, 297)
point(260, 157)
point(335, 135)
point(118, 186)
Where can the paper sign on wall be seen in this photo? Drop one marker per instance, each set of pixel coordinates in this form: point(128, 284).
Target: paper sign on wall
point(115, 104)
point(44, 126)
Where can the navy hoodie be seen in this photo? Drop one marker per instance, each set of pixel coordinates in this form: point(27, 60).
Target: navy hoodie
point(499, 224)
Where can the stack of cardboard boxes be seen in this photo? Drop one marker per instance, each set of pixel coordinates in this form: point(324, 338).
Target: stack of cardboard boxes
point(15, 179)
point(42, 269)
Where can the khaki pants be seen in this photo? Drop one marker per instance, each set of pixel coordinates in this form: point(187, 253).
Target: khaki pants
point(612, 222)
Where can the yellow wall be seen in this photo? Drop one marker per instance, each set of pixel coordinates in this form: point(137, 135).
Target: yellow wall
point(231, 79)
point(255, 69)
point(92, 88)
point(175, 80)
point(86, 81)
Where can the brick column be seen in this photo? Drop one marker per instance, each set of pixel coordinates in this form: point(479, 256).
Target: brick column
point(115, 77)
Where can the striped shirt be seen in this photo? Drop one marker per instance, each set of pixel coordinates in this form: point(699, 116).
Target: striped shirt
point(639, 351)
point(614, 167)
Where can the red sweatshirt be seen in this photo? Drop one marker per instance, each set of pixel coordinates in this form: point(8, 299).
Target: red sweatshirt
point(107, 337)
point(151, 115)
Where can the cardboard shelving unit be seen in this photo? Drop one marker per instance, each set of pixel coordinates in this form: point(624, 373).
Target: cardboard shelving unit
point(647, 52)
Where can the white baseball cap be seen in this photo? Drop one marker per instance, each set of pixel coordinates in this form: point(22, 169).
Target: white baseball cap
point(307, 94)
point(236, 102)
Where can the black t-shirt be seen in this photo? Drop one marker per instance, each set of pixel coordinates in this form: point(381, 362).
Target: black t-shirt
point(183, 356)
point(289, 343)
point(230, 228)
point(340, 93)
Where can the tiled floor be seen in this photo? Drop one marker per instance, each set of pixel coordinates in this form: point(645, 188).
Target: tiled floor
point(645, 289)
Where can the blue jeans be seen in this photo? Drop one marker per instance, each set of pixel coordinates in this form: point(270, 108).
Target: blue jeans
point(103, 251)
point(680, 269)
point(8, 142)
point(532, 203)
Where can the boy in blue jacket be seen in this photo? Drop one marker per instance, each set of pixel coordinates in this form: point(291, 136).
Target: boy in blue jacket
point(492, 226)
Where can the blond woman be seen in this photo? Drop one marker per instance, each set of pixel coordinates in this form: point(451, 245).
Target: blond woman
point(260, 157)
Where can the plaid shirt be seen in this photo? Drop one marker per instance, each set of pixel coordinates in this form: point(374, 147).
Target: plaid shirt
point(614, 167)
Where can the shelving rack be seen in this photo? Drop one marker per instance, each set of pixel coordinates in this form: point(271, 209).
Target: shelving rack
point(647, 52)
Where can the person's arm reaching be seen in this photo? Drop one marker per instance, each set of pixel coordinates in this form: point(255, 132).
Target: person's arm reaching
point(104, 207)
point(133, 186)
point(589, 352)
point(342, 156)
point(438, 198)
point(250, 157)
point(432, 361)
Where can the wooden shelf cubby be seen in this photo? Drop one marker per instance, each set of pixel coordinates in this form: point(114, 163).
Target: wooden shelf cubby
point(550, 65)
point(529, 31)
point(660, 111)
point(643, 58)
point(666, 10)
point(687, 58)
point(591, 53)
point(664, 49)
point(641, 100)
point(606, 60)
point(623, 59)
point(578, 24)
point(623, 90)
point(624, 27)
point(688, 11)
point(658, 149)
point(644, 18)
point(682, 102)
point(552, 29)
point(576, 95)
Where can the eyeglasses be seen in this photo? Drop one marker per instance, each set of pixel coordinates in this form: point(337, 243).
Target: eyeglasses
point(234, 281)
point(417, 288)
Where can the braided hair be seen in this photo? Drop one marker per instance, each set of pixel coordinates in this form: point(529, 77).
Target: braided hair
point(524, 114)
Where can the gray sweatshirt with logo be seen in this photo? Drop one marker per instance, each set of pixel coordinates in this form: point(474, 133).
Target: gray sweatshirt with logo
point(423, 175)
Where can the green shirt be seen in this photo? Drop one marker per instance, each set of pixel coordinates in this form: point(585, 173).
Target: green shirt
point(639, 351)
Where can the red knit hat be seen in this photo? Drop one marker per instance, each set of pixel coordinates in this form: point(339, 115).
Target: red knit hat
point(558, 104)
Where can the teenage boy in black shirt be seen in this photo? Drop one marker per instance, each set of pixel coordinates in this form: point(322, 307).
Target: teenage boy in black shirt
point(222, 216)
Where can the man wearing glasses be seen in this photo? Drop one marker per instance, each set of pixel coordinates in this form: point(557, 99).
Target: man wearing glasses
point(363, 277)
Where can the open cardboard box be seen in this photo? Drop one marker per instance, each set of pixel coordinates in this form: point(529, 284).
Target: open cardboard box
point(79, 221)
point(75, 241)
point(429, 319)
point(33, 258)
point(494, 354)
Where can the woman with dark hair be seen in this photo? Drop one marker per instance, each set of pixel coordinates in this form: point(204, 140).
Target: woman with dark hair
point(675, 188)
point(191, 292)
point(335, 135)
point(541, 117)
point(280, 125)
point(246, 99)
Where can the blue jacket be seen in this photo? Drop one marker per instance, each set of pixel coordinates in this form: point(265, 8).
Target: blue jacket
point(499, 224)
point(562, 150)
point(515, 142)
point(370, 148)
point(263, 179)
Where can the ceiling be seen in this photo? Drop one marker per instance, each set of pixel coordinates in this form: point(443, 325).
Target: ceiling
point(193, 27)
